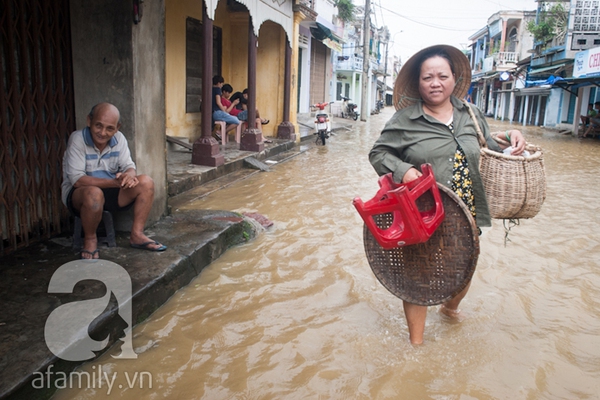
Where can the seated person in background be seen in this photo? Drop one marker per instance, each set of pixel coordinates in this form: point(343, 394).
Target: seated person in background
point(220, 112)
point(231, 105)
point(594, 121)
point(99, 174)
point(243, 106)
point(242, 112)
point(585, 119)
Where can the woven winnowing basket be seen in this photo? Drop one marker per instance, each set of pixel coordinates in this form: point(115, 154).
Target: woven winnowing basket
point(515, 186)
point(433, 272)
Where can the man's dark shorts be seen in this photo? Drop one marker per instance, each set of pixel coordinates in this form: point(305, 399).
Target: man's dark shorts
point(111, 201)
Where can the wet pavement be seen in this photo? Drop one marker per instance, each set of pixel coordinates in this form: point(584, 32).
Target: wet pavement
point(299, 314)
point(194, 238)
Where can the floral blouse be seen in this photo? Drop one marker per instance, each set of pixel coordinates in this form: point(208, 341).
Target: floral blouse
point(462, 184)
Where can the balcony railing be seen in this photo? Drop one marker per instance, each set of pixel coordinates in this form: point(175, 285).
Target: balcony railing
point(504, 58)
point(306, 7)
point(353, 63)
point(304, 3)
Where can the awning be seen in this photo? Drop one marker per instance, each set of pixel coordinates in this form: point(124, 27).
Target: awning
point(572, 84)
point(325, 35)
point(332, 44)
point(542, 90)
point(321, 32)
point(552, 68)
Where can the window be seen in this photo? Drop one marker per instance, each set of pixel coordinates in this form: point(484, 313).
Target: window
point(193, 62)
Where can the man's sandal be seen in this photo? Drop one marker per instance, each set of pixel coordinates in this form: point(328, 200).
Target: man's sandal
point(91, 253)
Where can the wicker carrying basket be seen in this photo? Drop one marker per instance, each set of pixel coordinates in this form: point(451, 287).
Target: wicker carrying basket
point(515, 186)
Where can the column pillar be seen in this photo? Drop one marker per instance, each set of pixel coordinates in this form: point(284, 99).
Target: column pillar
point(537, 110)
point(578, 111)
point(295, 78)
point(526, 110)
point(285, 130)
point(206, 149)
point(511, 107)
point(503, 37)
point(252, 138)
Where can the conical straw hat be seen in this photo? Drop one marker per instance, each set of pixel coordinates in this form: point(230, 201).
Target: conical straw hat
point(406, 88)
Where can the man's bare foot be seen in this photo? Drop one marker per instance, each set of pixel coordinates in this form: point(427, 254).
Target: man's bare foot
point(454, 315)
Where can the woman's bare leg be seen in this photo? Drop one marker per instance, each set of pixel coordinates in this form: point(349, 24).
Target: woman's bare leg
point(415, 319)
point(450, 308)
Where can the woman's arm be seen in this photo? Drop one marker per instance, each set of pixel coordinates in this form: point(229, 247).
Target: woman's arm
point(384, 157)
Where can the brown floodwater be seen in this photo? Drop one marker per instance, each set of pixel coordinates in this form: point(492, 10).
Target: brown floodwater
point(298, 314)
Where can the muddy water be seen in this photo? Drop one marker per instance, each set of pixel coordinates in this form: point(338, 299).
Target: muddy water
point(298, 314)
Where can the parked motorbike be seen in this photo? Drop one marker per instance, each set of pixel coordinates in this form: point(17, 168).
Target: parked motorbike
point(322, 123)
point(349, 109)
point(378, 107)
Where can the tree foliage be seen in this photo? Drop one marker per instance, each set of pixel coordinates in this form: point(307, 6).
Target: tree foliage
point(345, 10)
point(551, 23)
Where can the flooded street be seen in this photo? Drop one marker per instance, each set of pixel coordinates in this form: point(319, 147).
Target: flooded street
point(298, 314)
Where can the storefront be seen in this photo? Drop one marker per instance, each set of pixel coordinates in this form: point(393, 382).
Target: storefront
point(584, 83)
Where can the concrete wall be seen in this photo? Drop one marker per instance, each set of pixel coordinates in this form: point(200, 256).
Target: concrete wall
point(149, 100)
point(270, 75)
point(178, 122)
point(305, 73)
point(101, 35)
point(554, 112)
point(116, 61)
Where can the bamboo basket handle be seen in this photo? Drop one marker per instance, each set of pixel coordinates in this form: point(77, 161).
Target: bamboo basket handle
point(482, 141)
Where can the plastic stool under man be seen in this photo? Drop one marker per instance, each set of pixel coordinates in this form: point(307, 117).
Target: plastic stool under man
point(109, 239)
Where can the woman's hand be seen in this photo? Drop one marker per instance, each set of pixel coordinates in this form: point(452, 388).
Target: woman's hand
point(411, 175)
point(517, 141)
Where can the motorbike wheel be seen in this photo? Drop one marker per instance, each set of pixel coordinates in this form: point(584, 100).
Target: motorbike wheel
point(355, 116)
point(321, 138)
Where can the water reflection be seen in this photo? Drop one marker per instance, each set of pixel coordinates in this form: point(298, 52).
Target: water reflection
point(298, 314)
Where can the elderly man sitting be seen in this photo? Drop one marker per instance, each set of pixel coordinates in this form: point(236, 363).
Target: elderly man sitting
point(99, 174)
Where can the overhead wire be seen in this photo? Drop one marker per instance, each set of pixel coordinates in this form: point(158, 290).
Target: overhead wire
point(441, 27)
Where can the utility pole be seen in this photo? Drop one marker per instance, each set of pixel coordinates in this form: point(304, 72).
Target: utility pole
point(364, 114)
point(385, 71)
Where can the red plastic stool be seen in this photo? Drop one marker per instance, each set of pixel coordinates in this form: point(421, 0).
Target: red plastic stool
point(409, 225)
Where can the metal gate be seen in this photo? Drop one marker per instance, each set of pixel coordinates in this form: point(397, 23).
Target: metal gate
point(36, 117)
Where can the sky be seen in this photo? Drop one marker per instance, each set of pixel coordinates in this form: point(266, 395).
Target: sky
point(416, 24)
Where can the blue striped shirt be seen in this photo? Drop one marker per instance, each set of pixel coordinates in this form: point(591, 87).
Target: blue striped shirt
point(82, 158)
